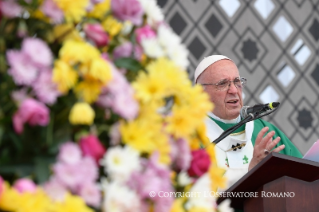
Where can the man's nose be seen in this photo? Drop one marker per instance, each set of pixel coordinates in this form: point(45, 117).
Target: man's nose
point(232, 88)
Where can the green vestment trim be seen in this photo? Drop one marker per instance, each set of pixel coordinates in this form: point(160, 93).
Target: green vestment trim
point(226, 126)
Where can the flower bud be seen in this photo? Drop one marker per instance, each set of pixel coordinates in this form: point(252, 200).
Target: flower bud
point(25, 185)
point(92, 147)
point(96, 33)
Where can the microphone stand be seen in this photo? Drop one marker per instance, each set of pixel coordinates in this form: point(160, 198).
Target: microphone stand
point(227, 132)
point(249, 118)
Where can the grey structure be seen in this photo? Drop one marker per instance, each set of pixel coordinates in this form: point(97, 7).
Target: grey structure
point(275, 45)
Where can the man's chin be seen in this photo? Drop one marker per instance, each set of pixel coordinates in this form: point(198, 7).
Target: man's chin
point(233, 114)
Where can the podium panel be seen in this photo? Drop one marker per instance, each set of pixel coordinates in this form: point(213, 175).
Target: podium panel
point(278, 173)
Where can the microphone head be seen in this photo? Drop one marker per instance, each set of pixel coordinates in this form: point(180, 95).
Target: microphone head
point(243, 111)
point(275, 104)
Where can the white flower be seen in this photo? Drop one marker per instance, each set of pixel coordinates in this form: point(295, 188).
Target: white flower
point(152, 48)
point(127, 27)
point(166, 37)
point(119, 198)
point(225, 206)
point(153, 12)
point(178, 55)
point(121, 162)
point(183, 179)
point(206, 198)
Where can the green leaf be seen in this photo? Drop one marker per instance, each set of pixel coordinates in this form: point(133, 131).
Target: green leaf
point(1, 134)
point(128, 63)
point(42, 169)
point(18, 170)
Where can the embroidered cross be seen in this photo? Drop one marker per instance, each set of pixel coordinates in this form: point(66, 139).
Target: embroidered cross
point(238, 146)
point(227, 164)
point(245, 160)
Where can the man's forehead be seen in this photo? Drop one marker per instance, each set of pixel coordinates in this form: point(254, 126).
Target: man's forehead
point(224, 69)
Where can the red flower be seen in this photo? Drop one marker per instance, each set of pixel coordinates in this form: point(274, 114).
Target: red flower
point(199, 164)
point(91, 146)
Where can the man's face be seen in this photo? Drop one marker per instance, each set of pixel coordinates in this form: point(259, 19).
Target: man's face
point(228, 102)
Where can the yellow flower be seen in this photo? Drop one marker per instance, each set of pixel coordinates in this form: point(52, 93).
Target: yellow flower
point(88, 90)
point(178, 205)
point(162, 146)
point(138, 135)
point(210, 149)
point(180, 123)
point(66, 31)
point(149, 88)
point(35, 202)
point(101, 70)
point(200, 209)
point(74, 52)
point(72, 204)
point(198, 99)
point(201, 133)
point(99, 10)
point(9, 198)
point(81, 113)
point(39, 15)
point(73, 10)
point(64, 76)
point(216, 177)
point(112, 26)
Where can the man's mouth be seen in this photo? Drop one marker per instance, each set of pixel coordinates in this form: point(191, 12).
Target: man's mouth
point(233, 101)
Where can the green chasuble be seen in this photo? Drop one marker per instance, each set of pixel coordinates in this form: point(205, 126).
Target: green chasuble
point(289, 149)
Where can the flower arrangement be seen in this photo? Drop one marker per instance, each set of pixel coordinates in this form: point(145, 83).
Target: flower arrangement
point(97, 111)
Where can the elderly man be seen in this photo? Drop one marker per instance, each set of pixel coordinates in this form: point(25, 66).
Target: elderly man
point(248, 145)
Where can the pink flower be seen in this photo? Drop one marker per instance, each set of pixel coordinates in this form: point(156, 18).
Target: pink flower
point(45, 89)
point(117, 95)
point(91, 146)
point(90, 193)
point(10, 8)
point(145, 32)
point(124, 50)
point(128, 10)
point(50, 9)
point(200, 163)
point(31, 112)
point(22, 70)
point(37, 51)
point(153, 177)
point(138, 52)
point(96, 33)
point(25, 185)
point(55, 189)
point(88, 170)
point(70, 153)
point(181, 154)
point(115, 135)
point(1, 185)
point(68, 174)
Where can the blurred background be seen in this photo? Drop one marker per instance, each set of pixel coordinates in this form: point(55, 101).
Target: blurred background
point(275, 46)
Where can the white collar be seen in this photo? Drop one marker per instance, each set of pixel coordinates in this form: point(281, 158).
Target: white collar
point(232, 121)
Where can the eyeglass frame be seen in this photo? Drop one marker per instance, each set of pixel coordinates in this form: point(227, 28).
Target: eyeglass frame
point(242, 80)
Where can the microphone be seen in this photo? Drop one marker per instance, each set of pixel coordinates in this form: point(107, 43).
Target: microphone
point(258, 108)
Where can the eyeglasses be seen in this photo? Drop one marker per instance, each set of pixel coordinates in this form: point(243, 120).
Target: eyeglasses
point(239, 82)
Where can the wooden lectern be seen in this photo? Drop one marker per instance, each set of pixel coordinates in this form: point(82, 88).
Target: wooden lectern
point(281, 183)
